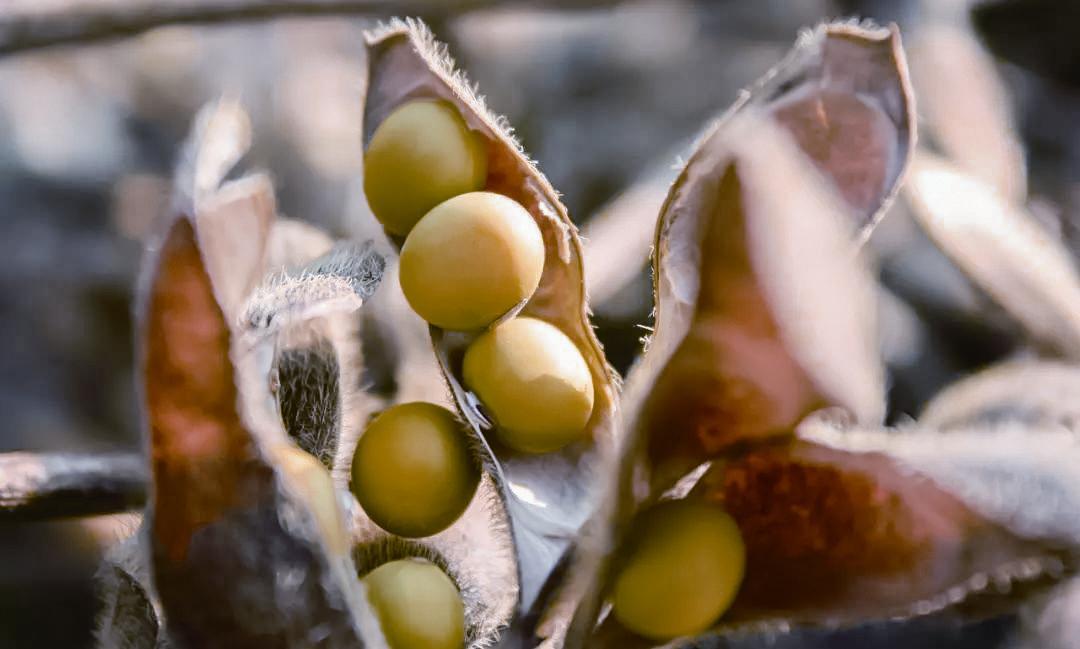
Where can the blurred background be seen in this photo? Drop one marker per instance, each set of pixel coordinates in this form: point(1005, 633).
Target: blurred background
point(604, 96)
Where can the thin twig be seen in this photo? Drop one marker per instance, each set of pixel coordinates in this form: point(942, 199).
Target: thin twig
point(40, 486)
point(30, 25)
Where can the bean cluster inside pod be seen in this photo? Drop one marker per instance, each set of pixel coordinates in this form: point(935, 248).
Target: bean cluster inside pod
point(299, 350)
point(547, 495)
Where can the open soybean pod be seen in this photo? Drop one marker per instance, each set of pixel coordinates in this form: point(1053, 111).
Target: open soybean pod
point(764, 309)
point(1018, 479)
point(244, 542)
point(305, 312)
point(847, 529)
point(764, 312)
point(548, 494)
point(246, 536)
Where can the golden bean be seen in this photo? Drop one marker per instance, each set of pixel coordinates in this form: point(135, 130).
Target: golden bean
point(470, 260)
point(413, 472)
point(534, 381)
point(683, 566)
point(422, 154)
point(418, 606)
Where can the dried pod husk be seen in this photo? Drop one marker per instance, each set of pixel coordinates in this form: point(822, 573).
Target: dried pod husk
point(548, 496)
point(1009, 448)
point(234, 217)
point(309, 312)
point(1038, 394)
point(764, 308)
point(230, 511)
point(227, 516)
point(762, 311)
point(1001, 248)
point(1019, 477)
point(965, 103)
point(845, 527)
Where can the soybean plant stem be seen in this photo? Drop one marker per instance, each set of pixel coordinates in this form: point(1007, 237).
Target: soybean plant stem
point(34, 24)
point(41, 486)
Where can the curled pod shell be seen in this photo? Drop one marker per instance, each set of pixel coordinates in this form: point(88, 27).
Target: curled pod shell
point(763, 312)
point(764, 309)
point(1038, 394)
point(548, 496)
point(229, 513)
point(232, 504)
point(966, 103)
point(1001, 248)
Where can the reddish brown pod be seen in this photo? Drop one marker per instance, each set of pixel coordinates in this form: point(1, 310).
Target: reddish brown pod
point(842, 529)
point(763, 312)
point(836, 536)
point(232, 502)
point(764, 307)
point(227, 500)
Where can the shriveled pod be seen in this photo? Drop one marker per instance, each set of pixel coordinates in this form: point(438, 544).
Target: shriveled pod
point(548, 495)
point(764, 310)
point(1002, 249)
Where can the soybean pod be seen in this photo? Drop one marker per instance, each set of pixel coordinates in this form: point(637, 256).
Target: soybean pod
point(491, 260)
point(765, 340)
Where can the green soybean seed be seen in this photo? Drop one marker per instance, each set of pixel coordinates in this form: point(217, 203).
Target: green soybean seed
point(470, 260)
point(417, 604)
point(683, 567)
point(413, 472)
point(422, 154)
point(534, 381)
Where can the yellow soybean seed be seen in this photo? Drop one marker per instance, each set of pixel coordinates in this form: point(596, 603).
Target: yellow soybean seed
point(418, 606)
point(470, 260)
point(534, 381)
point(413, 472)
point(683, 567)
point(422, 154)
point(311, 481)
